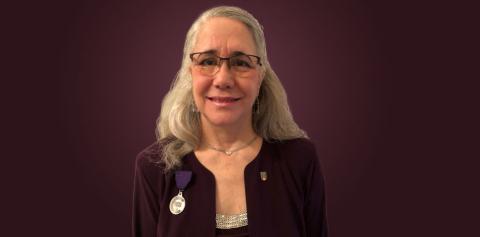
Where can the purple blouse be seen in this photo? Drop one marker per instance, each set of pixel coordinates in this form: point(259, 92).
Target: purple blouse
point(235, 232)
point(290, 202)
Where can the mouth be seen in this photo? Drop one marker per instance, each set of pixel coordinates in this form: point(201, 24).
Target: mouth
point(223, 101)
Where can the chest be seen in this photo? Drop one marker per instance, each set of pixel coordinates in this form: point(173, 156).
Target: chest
point(231, 188)
point(230, 195)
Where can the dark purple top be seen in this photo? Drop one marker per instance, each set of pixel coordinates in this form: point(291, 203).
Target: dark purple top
point(291, 202)
point(234, 232)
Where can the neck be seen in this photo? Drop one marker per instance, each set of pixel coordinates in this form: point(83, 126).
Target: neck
point(226, 137)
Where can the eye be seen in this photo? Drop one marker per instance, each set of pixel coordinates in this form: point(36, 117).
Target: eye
point(206, 59)
point(207, 62)
point(242, 61)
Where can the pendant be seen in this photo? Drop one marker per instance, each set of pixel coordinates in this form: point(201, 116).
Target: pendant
point(228, 153)
point(177, 204)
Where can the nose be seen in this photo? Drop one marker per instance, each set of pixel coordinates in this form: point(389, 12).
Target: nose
point(224, 77)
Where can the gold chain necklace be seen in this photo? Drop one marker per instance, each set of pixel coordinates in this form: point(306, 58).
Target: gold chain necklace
point(230, 152)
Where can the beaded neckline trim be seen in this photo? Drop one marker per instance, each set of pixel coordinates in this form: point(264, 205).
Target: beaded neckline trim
point(231, 221)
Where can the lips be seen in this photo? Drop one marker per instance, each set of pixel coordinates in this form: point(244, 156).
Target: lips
point(220, 99)
point(223, 101)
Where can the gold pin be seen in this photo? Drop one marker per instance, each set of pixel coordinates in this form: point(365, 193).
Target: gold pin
point(263, 175)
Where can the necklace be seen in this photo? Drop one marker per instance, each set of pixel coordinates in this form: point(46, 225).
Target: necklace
point(230, 152)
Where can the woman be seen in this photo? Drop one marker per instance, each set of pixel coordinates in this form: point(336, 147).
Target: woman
point(229, 160)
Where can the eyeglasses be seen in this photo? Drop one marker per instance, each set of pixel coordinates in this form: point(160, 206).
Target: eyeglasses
point(208, 64)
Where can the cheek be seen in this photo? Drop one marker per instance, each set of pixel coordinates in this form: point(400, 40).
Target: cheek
point(198, 84)
point(196, 88)
point(251, 91)
point(200, 88)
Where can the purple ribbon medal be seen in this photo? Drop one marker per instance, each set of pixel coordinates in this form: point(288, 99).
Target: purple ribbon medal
point(182, 178)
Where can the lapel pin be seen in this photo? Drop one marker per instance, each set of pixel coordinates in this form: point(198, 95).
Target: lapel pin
point(263, 175)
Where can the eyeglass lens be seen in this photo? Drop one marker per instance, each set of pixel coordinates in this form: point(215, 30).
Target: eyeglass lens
point(209, 63)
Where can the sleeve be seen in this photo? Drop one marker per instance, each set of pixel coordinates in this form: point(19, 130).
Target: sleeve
point(314, 207)
point(145, 198)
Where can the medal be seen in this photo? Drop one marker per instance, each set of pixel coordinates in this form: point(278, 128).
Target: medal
point(177, 204)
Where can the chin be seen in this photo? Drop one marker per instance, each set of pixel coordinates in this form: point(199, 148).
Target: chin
point(222, 120)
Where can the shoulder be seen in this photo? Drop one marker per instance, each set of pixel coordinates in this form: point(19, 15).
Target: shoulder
point(302, 148)
point(150, 158)
point(297, 144)
point(299, 153)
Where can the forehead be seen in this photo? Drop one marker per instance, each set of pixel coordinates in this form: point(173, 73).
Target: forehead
point(224, 36)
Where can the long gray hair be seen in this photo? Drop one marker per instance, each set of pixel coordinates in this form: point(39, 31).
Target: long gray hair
point(178, 126)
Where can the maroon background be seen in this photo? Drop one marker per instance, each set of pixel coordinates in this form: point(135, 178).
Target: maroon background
point(376, 85)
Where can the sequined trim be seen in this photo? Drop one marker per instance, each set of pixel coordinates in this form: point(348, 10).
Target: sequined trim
point(231, 221)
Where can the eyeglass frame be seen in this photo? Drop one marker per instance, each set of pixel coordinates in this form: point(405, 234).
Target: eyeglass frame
point(225, 59)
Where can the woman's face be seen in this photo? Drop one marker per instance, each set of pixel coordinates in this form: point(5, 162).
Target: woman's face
point(225, 98)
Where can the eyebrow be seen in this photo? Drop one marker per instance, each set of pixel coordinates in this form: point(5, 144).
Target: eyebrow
point(235, 53)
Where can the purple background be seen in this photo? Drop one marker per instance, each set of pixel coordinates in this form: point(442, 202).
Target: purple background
point(371, 83)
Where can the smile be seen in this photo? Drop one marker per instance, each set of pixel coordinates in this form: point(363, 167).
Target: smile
point(223, 101)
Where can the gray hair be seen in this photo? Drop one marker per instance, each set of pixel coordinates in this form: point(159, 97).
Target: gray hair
point(178, 126)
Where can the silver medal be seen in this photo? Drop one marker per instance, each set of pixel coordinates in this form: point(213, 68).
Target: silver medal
point(177, 204)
